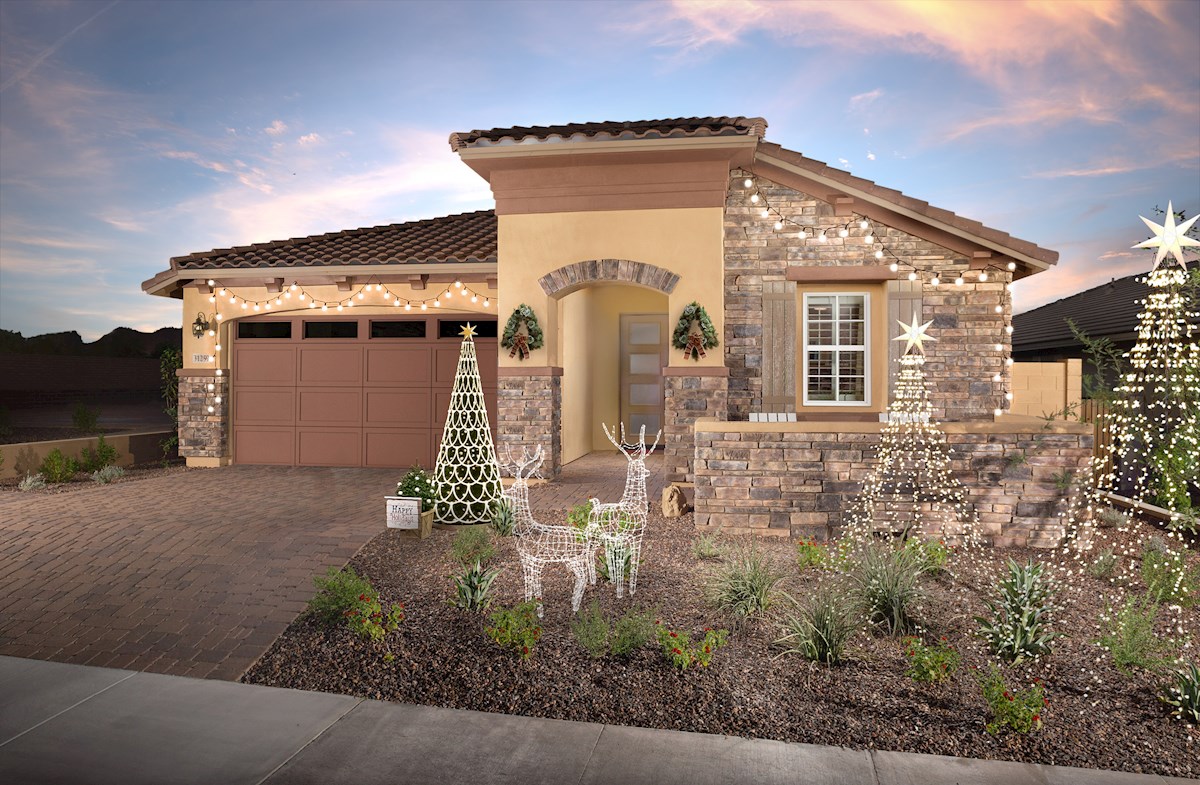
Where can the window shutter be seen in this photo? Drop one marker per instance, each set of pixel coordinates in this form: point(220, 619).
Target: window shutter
point(903, 298)
point(779, 346)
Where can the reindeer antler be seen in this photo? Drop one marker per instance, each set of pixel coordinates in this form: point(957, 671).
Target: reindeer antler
point(620, 445)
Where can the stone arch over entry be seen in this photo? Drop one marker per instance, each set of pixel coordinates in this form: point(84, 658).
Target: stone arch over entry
point(607, 270)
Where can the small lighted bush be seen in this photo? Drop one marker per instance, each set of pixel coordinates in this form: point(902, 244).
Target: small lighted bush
point(1019, 627)
point(930, 663)
point(516, 628)
point(1168, 577)
point(418, 483)
point(885, 583)
point(1129, 637)
point(934, 555)
point(1018, 710)
point(679, 650)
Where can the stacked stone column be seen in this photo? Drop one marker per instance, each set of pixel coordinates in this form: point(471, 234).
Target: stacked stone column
point(203, 434)
point(690, 394)
point(529, 410)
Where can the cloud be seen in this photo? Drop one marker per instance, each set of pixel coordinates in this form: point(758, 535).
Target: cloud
point(276, 128)
point(863, 100)
point(33, 64)
point(843, 162)
point(188, 155)
point(310, 139)
point(1113, 166)
point(870, 156)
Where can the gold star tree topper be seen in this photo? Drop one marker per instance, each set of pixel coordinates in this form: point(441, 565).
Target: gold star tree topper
point(468, 331)
point(914, 333)
point(1169, 238)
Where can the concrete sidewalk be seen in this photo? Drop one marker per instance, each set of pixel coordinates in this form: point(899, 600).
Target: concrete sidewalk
point(64, 723)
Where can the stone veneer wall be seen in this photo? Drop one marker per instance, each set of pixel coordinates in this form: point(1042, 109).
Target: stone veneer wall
point(203, 435)
point(960, 365)
point(529, 410)
point(689, 398)
point(777, 480)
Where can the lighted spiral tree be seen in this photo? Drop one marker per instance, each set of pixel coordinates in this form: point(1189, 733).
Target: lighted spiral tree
point(912, 492)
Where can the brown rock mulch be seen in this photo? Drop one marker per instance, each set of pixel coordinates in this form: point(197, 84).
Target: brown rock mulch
point(1096, 718)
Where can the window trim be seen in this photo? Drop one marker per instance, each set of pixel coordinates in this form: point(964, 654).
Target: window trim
point(802, 355)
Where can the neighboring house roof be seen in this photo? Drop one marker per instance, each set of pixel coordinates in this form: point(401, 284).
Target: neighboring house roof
point(634, 129)
point(1109, 310)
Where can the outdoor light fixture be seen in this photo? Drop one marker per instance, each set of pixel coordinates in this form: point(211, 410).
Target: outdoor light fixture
point(200, 326)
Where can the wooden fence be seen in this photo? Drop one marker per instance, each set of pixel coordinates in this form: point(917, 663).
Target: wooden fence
point(1096, 413)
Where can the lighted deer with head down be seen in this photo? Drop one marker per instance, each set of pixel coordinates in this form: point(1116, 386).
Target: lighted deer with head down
point(620, 525)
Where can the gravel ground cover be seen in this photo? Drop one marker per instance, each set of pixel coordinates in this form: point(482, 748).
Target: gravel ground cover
point(440, 656)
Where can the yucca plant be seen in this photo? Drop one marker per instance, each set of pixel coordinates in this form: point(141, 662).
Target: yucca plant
point(745, 584)
point(1019, 625)
point(820, 629)
point(885, 583)
point(1182, 694)
point(503, 520)
point(472, 587)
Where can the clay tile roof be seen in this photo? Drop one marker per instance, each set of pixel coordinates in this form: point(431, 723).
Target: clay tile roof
point(466, 237)
point(609, 129)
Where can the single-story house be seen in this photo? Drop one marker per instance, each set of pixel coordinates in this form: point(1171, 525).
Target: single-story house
point(338, 349)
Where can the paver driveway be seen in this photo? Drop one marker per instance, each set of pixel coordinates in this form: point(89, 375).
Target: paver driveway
point(194, 573)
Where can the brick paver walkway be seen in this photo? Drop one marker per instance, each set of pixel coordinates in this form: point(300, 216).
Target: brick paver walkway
point(600, 474)
point(190, 574)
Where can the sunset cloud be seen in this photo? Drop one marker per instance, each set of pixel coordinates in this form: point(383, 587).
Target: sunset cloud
point(276, 128)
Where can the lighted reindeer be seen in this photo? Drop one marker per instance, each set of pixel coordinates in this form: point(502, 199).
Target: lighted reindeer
point(620, 525)
point(540, 545)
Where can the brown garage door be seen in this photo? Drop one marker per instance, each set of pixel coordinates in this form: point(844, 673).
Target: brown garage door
point(356, 391)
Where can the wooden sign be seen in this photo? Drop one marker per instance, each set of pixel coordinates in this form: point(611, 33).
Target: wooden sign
point(403, 512)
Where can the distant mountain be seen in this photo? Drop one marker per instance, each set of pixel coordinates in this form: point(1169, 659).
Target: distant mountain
point(121, 342)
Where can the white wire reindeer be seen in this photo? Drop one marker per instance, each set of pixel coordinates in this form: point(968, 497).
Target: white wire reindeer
point(540, 545)
point(620, 525)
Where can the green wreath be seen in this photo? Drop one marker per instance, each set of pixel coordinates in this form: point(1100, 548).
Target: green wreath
point(694, 344)
point(518, 342)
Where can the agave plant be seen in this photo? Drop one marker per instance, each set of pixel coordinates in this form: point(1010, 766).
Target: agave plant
point(503, 520)
point(1019, 625)
point(1182, 694)
point(472, 587)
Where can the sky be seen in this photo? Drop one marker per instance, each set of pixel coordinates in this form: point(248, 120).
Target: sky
point(131, 132)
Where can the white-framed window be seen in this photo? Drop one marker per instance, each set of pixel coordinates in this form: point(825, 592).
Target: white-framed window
point(837, 355)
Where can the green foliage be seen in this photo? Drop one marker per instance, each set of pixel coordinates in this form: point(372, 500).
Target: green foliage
point(170, 361)
point(1187, 521)
point(933, 555)
point(6, 426)
point(1130, 638)
point(418, 484)
point(1182, 694)
point(95, 458)
point(522, 315)
point(820, 629)
point(626, 566)
point(885, 586)
point(578, 516)
point(368, 619)
point(1015, 460)
point(624, 636)
point(345, 598)
point(707, 547)
point(631, 632)
point(1104, 565)
point(745, 584)
point(810, 553)
point(472, 587)
point(1109, 518)
point(930, 663)
point(1168, 577)
point(107, 474)
point(504, 523)
point(677, 646)
point(472, 545)
point(1019, 626)
point(1063, 480)
point(1174, 469)
point(694, 312)
point(516, 628)
point(1107, 360)
point(1020, 710)
point(590, 628)
point(85, 417)
point(57, 467)
point(32, 482)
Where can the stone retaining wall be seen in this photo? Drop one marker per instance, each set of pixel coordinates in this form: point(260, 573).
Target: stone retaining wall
point(688, 399)
point(798, 479)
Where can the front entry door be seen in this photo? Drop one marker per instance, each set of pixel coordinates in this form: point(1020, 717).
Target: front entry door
point(643, 356)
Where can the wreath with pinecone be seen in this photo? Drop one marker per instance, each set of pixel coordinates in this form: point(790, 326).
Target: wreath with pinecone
point(521, 342)
point(692, 341)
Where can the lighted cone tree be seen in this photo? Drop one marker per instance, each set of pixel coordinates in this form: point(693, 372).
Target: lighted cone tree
point(467, 475)
point(912, 491)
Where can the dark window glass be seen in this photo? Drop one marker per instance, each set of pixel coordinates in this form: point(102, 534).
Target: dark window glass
point(331, 329)
point(448, 328)
point(264, 330)
point(398, 329)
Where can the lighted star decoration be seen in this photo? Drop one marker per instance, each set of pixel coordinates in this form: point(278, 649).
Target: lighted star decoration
point(1169, 238)
point(468, 331)
point(914, 333)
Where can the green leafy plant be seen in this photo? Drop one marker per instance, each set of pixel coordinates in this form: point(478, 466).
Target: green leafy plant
point(85, 418)
point(1129, 637)
point(368, 619)
point(472, 545)
point(934, 555)
point(1109, 518)
point(810, 553)
point(677, 646)
point(107, 474)
point(1020, 710)
point(516, 628)
point(631, 632)
point(170, 361)
point(1019, 625)
point(745, 584)
point(707, 547)
point(579, 515)
point(590, 628)
point(96, 458)
point(626, 565)
point(885, 584)
point(1168, 576)
point(57, 467)
point(473, 586)
point(819, 629)
point(1063, 480)
point(930, 663)
point(1104, 565)
point(503, 521)
point(32, 482)
point(418, 484)
point(343, 597)
point(1108, 361)
point(1182, 694)
point(624, 636)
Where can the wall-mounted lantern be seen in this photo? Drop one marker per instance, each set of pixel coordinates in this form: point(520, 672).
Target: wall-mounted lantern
point(200, 326)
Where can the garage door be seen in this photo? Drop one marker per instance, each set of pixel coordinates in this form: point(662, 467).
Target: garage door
point(365, 391)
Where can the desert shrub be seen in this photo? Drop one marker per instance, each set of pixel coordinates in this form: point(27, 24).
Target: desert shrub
point(1182, 694)
point(96, 458)
point(1020, 710)
point(1167, 575)
point(516, 628)
point(1129, 637)
point(57, 467)
point(418, 484)
point(107, 474)
point(590, 628)
point(631, 632)
point(472, 587)
point(32, 482)
point(820, 629)
point(810, 553)
point(934, 555)
point(679, 650)
point(1109, 518)
point(343, 597)
point(930, 663)
point(1019, 625)
point(1104, 564)
point(1185, 521)
point(707, 547)
point(85, 418)
point(472, 545)
point(503, 520)
point(745, 584)
point(885, 584)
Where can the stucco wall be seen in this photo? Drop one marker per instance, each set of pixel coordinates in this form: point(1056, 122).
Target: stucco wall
point(1044, 388)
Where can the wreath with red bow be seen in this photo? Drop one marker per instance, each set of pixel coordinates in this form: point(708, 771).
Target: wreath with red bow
point(694, 342)
point(522, 342)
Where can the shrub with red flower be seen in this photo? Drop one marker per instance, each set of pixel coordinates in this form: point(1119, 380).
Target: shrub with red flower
point(678, 649)
point(516, 628)
point(1020, 710)
point(929, 663)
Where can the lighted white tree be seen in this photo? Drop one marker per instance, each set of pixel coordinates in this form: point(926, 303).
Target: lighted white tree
point(912, 490)
point(467, 476)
